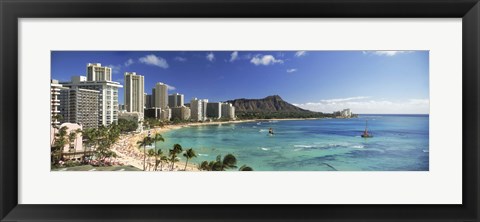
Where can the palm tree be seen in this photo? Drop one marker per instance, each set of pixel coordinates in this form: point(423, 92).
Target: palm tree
point(77, 132)
point(190, 153)
point(60, 142)
point(55, 118)
point(89, 136)
point(204, 166)
point(177, 148)
point(144, 142)
point(158, 158)
point(229, 162)
point(72, 138)
point(163, 159)
point(157, 137)
point(245, 168)
point(150, 153)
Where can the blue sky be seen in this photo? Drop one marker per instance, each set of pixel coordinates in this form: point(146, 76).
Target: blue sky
point(365, 81)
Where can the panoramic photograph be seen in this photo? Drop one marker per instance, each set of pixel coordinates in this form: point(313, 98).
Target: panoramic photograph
point(162, 111)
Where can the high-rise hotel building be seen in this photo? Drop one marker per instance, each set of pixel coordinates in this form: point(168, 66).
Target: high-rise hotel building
point(214, 110)
point(161, 95)
point(228, 111)
point(198, 109)
point(97, 72)
point(108, 98)
point(55, 88)
point(79, 106)
point(175, 100)
point(134, 95)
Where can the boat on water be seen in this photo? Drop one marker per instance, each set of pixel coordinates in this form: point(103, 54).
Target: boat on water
point(366, 134)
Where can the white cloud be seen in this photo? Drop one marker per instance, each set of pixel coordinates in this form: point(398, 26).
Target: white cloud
point(344, 99)
point(385, 52)
point(210, 57)
point(169, 87)
point(363, 105)
point(180, 59)
point(300, 53)
point(265, 60)
point(234, 56)
point(115, 68)
point(129, 62)
point(291, 70)
point(154, 61)
point(119, 80)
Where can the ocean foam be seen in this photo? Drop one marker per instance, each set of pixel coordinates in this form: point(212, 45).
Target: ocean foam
point(201, 154)
point(264, 148)
point(358, 146)
point(303, 146)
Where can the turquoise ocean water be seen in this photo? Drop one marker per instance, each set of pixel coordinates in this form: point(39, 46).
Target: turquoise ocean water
point(400, 143)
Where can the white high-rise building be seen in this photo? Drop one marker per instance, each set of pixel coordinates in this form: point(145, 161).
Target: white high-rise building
point(134, 94)
point(346, 113)
point(198, 109)
point(228, 111)
point(161, 95)
point(204, 108)
point(97, 72)
point(108, 101)
point(175, 100)
point(55, 88)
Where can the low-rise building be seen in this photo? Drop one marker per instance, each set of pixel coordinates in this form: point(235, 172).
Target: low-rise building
point(72, 148)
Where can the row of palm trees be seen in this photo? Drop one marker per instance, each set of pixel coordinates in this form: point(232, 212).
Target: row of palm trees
point(229, 161)
point(160, 158)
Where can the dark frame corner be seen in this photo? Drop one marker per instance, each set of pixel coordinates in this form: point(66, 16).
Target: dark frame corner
point(11, 11)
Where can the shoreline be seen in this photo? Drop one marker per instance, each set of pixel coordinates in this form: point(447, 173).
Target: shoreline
point(130, 154)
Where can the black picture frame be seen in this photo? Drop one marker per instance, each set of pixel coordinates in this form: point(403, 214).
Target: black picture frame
point(11, 11)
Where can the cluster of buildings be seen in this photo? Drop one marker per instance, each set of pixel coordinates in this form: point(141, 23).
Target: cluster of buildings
point(92, 101)
point(164, 106)
point(346, 113)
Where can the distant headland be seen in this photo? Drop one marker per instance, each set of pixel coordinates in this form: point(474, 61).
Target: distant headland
point(274, 107)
